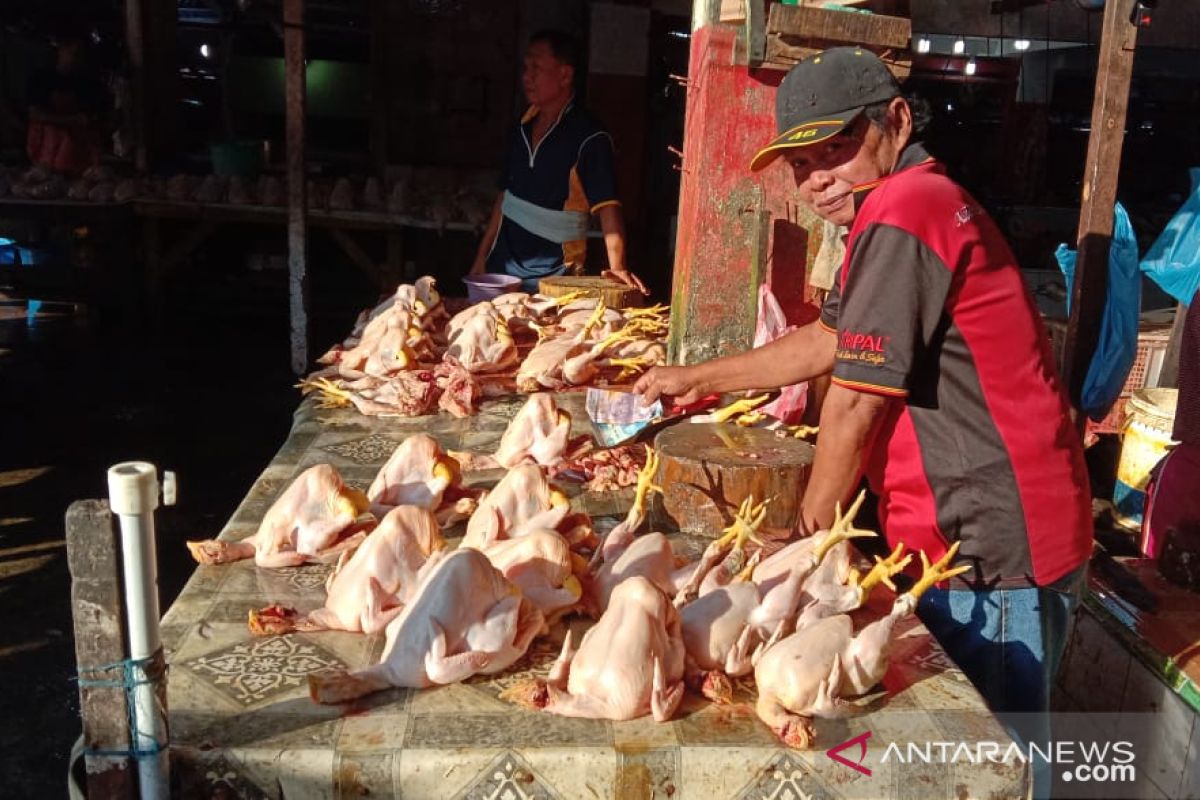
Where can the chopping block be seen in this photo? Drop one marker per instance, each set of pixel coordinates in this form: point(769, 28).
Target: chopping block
point(706, 470)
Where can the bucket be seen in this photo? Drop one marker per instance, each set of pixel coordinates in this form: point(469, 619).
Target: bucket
point(1149, 420)
point(490, 286)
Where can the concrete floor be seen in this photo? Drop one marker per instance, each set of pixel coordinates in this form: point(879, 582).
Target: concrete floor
point(210, 397)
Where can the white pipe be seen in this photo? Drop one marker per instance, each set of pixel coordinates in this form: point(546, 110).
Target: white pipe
point(133, 496)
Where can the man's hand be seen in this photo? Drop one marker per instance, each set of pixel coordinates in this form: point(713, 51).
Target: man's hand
point(680, 384)
point(626, 277)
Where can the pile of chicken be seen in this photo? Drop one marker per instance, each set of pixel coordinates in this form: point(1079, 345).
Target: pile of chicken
point(409, 356)
point(748, 605)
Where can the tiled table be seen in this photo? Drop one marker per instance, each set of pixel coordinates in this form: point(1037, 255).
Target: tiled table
point(242, 724)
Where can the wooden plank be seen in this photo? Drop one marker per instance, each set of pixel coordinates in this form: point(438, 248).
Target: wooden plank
point(381, 77)
point(781, 54)
point(297, 236)
point(800, 23)
point(135, 51)
point(360, 257)
point(93, 557)
point(1115, 67)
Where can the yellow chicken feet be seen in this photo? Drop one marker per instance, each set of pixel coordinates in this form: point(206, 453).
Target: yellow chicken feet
point(649, 311)
point(885, 568)
point(595, 319)
point(645, 481)
point(332, 395)
point(750, 420)
point(568, 298)
point(842, 528)
point(802, 431)
point(936, 572)
point(738, 407)
point(629, 366)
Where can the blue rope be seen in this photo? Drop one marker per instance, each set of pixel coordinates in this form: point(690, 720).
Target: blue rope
point(135, 672)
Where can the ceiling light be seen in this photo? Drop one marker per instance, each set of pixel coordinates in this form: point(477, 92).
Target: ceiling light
point(923, 45)
point(1021, 44)
point(959, 47)
point(204, 50)
point(971, 67)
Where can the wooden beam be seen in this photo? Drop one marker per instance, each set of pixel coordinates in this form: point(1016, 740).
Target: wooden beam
point(381, 82)
point(1113, 73)
point(297, 236)
point(359, 256)
point(135, 48)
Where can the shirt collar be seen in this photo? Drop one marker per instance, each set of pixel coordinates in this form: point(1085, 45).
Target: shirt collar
point(913, 155)
point(531, 113)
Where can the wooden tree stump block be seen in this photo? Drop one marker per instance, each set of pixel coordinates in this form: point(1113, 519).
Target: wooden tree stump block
point(613, 293)
point(707, 470)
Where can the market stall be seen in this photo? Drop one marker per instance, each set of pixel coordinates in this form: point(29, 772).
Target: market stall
point(242, 722)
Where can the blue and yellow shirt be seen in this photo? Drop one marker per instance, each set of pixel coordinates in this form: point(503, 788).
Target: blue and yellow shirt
point(571, 169)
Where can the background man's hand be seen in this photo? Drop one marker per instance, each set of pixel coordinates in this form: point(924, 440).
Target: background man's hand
point(679, 384)
point(478, 268)
point(626, 277)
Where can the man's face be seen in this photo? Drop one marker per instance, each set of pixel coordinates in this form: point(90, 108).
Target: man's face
point(826, 172)
point(545, 79)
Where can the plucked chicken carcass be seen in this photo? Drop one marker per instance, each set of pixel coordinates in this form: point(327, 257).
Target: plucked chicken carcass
point(303, 525)
point(405, 394)
point(629, 663)
point(419, 473)
point(807, 674)
point(523, 501)
point(484, 343)
point(542, 565)
point(465, 619)
point(539, 434)
point(369, 588)
point(622, 555)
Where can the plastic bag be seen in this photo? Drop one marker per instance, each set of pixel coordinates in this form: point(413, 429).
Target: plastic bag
point(1117, 347)
point(772, 324)
point(1173, 261)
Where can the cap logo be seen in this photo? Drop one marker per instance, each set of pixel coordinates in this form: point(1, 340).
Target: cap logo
point(805, 134)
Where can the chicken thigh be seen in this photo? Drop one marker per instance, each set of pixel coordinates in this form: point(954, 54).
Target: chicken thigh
point(629, 663)
point(303, 525)
point(465, 619)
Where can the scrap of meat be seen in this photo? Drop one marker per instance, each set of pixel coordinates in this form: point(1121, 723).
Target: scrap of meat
point(460, 390)
point(604, 470)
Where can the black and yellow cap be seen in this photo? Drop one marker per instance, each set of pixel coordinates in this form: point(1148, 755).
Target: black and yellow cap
point(823, 94)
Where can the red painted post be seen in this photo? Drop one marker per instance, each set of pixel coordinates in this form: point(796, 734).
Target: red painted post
point(736, 229)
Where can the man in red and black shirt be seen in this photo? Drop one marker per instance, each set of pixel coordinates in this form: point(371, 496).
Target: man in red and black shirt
point(945, 393)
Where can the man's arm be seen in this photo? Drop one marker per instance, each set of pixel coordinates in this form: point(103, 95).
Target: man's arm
point(798, 356)
point(479, 266)
point(613, 225)
point(850, 421)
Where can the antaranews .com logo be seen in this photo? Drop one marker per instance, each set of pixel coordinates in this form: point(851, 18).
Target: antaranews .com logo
point(1073, 761)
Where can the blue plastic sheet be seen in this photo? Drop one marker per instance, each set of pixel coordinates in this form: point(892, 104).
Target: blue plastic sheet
point(1117, 347)
point(1173, 261)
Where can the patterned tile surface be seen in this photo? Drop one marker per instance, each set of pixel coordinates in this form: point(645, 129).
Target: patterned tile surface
point(243, 725)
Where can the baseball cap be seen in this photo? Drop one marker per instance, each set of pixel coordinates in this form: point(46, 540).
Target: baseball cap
point(823, 94)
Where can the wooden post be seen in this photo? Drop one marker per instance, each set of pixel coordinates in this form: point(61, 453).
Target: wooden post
point(93, 556)
point(297, 237)
point(1113, 72)
point(135, 43)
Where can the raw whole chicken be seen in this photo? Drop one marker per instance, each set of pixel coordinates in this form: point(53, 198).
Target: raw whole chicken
point(542, 565)
point(523, 501)
point(542, 368)
point(629, 663)
point(370, 587)
point(622, 556)
point(405, 394)
point(538, 434)
point(465, 619)
point(417, 473)
point(808, 673)
point(483, 344)
point(303, 525)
